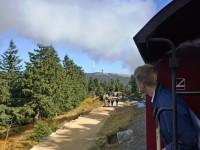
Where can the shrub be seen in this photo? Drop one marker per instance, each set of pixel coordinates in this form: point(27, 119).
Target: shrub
point(41, 130)
point(54, 126)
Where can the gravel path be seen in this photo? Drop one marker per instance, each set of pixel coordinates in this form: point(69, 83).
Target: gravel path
point(79, 134)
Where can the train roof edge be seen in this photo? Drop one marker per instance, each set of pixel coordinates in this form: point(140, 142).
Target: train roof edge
point(178, 22)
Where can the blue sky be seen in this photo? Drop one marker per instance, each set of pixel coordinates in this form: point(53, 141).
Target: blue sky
point(88, 60)
point(161, 3)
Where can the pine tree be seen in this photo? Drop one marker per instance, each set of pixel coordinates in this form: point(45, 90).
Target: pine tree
point(10, 62)
point(10, 67)
point(43, 76)
point(132, 83)
point(91, 87)
point(4, 90)
point(76, 81)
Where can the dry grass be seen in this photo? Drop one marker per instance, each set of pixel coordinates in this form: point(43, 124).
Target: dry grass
point(85, 107)
point(19, 140)
point(119, 120)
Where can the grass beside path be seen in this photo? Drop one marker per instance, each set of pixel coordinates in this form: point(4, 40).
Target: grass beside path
point(84, 108)
point(119, 120)
point(18, 139)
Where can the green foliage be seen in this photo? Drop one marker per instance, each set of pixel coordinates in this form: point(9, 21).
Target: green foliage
point(134, 88)
point(10, 67)
point(99, 88)
point(45, 88)
point(133, 85)
point(76, 82)
point(22, 115)
point(127, 89)
point(41, 130)
point(5, 118)
point(18, 115)
point(54, 125)
point(4, 91)
point(10, 62)
point(100, 91)
point(42, 85)
point(108, 76)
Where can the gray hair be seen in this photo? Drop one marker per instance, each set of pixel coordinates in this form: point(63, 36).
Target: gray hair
point(146, 74)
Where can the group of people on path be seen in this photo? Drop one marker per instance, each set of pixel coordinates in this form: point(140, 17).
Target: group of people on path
point(109, 101)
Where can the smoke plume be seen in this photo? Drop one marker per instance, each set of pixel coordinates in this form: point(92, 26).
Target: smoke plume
point(101, 28)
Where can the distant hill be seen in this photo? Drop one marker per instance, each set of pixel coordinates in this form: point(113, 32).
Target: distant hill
point(123, 78)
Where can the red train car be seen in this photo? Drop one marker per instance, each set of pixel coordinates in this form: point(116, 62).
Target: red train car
point(171, 42)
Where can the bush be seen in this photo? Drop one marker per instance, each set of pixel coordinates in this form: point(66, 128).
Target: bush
point(41, 130)
point(15, 115)
point(54, 126)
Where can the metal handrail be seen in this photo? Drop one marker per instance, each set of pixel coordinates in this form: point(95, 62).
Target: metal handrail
point(173, 64)
point(158, 142)
point(188, 92)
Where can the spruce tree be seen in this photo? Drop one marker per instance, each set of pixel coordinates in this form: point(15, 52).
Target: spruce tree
point(4, 90)
point(91, 87)
point(76, 80)
point(43, 76)
point(10, 67)
point(132, 83)
point(10, 62)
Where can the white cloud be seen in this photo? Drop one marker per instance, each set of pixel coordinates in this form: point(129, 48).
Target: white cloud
point(93, 66)
point(101, 28)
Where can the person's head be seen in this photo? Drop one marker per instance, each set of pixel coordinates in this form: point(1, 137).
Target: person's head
point(146, 78)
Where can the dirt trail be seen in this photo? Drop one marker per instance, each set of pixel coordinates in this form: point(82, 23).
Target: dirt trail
point(78, 134)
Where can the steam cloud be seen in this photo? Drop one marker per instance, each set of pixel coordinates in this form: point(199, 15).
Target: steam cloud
point(101, 28)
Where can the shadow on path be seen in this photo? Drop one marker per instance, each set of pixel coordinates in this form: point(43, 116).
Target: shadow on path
point(79, 134)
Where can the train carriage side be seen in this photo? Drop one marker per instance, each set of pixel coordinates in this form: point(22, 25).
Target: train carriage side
point(174, 29)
